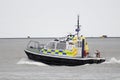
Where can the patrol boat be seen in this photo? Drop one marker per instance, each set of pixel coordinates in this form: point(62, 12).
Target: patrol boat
point(71, 51)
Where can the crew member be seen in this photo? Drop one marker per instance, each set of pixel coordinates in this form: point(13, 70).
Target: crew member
point(97, 53)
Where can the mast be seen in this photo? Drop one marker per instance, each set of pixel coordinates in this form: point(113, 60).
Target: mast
point(78, 27)
point(81, 52)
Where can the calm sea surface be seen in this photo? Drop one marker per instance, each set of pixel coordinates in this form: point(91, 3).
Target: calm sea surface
point(14, 64)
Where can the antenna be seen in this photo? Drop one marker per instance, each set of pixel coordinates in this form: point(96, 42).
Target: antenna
point(78, 27)
point(78, 22)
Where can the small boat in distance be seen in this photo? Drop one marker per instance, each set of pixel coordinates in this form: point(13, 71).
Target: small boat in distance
point(104, 36)
point(71, 51)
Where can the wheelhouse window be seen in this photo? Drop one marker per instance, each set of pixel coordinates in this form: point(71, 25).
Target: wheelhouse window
point(61, 46)
point(51, 45)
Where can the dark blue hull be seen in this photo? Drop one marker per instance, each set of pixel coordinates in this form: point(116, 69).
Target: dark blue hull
point(62, 61)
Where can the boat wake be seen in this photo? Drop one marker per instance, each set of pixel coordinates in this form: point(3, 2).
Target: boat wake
point(27, 61)
point(30, 62)
point(113, 60)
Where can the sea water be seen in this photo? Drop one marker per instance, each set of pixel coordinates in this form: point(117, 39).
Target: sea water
point(14, 64)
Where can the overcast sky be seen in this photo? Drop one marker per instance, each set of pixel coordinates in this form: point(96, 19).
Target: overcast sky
point(51, 18)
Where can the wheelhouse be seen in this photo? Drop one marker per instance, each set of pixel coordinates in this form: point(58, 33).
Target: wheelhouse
point(56, 45)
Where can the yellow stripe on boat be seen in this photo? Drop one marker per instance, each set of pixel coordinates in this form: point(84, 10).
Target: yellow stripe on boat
point(60, 52)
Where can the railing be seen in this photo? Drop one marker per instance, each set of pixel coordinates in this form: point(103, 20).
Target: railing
point(35, 45)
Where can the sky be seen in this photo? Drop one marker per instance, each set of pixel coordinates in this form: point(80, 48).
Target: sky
point(57, 18)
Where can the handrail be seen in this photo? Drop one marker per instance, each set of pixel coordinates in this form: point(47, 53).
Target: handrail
point(35, 45)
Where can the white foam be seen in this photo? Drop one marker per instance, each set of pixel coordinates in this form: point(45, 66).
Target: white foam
point(30, 62)
point(86, 64)
point(113, 60)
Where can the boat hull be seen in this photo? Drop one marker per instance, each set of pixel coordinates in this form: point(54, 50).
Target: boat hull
point(62, 61)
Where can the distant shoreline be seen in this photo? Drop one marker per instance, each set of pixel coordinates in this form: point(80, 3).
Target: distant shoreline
point(50, 37)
